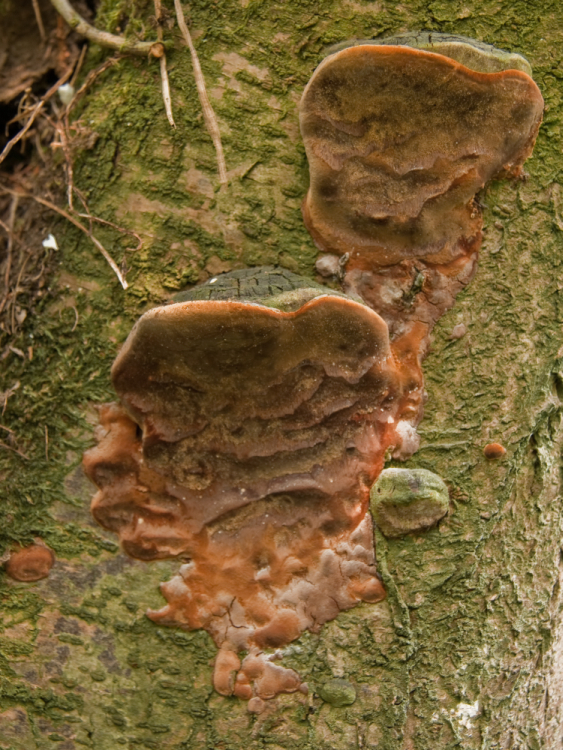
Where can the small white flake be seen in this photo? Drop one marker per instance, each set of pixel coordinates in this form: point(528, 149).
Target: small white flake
point(50, 243)
point(66, 92)
point(465, 712)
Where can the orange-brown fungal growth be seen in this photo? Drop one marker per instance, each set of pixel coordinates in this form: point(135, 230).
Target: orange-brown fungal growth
point(494, 450)
point(30, 564)
point(399, 141)
point(249, 433)
point(400, 136)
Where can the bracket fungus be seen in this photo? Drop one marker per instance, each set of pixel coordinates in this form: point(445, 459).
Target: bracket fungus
point(255, 415)
point(400, 135)
point(256, 411)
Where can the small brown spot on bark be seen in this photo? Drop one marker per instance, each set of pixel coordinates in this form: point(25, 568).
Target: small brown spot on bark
point(494, 450)
point(30, 563)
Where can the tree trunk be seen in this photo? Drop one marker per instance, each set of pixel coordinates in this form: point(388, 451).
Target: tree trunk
point(467, 648)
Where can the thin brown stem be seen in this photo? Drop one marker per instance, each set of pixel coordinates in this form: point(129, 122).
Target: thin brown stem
point(39, 19)
point(16, 292)
point(103, 38)
point(92, 75)
point(77, 224)
point(14, 450)
point(208, 113)
point(163, 69)
point(79, 65)
point(166, 91)
point(9, 250)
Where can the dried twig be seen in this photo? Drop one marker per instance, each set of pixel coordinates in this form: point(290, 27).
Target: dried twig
point(14, 450)
point(39, 19)
point(4, 396)
point(159, 52)
point(16, 292)
point(73, 329)
point(103, 38)
point(166, 91)
point(10, 231)
point(35, 111)
point(77, 224)
point(107, 223)
point(79, 64)
point(208, 113)
point(92, 75)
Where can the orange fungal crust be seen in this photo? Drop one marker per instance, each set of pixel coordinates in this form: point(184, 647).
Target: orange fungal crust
point(245, 445)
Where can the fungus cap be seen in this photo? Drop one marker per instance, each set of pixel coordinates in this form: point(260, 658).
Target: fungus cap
point(400, 139)
point(248, 435)
point(30, 564)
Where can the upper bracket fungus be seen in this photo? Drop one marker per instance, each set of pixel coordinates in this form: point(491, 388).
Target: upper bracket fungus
point(400, 140)
point(255, 415)
point(401, 134)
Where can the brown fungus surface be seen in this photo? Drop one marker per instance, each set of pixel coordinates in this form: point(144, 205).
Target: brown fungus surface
point(400, 140)
point(494, 451)
point(28, 564)
point(400, 135)
point(246, 442)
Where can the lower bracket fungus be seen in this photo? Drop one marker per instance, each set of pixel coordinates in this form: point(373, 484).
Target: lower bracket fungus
point(255, 415)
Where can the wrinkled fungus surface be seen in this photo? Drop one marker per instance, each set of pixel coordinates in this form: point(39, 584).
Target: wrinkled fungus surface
point(399, 141)
point(400, 135)
point(245, 444)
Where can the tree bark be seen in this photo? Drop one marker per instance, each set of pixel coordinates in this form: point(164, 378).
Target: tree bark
point(467, 649)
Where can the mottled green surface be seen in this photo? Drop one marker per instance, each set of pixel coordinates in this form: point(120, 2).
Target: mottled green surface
point(408, 500)
point(473, 605)
point(270, 286)
point(338, 693)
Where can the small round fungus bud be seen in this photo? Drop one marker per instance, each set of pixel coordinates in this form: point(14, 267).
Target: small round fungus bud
point(338, 693)
point(328, 265)
point(256, 705)
point(30, 563)
point(157, 50)
point(494, 450)
point(408, 500)
point(458, 331)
